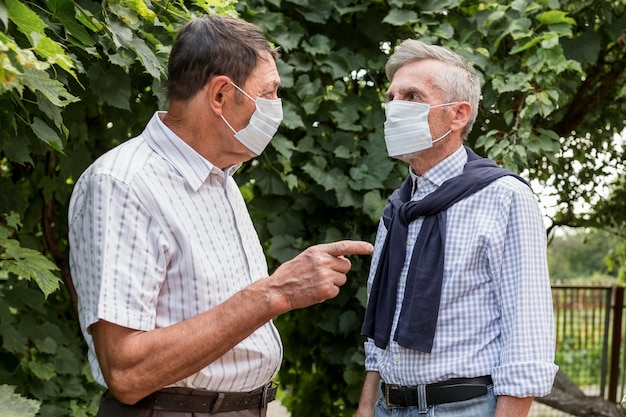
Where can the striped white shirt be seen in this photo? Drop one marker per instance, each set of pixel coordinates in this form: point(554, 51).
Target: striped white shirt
point(495, 316)
point(158, 235)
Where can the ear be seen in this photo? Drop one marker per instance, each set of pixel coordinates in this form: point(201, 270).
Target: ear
point(216, 90)
point(460, 116)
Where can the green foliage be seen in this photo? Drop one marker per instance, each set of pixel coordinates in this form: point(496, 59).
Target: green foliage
point(580, 256)
point(78, 77)
point(42, 352)
point(584, 366)
point(25, 263)
point(14, 405)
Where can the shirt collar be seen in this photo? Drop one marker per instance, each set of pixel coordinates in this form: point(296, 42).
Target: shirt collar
point(450, 167)
point(190, 164)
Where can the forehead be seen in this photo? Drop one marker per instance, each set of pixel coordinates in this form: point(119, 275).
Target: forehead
point(416, 77)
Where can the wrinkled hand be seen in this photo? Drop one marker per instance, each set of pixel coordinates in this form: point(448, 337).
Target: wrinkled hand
point(316, 274)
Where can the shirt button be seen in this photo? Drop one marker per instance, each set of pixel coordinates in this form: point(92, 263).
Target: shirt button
point(410, 242)
point(396, 358)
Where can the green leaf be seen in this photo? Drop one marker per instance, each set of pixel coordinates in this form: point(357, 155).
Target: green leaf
point(111, 85)
point(147, 57)
point(47, 345)
point(504, 83)
point(25, 19)
point(316, 168)
point(291, 117)
point(373, 204)
point(400, 17)
point(335, 64)
point(528, 45)
point(347, 119)
point(14, 405)
point(46, 134)
point(282, 248)
point(66, 362)
point(53, 53)
point(552, 17)
point(51, 89)
point(29, 264)
point(64, 12)
point(122, 35)
point(43, 371)
point(319, 14)
point(584, 48)
point(13, 220)
point(520, 28)
point(53, 112)
point(4, 15)
point(12, 340)
point(289, 41)
point(348, 321)
point(318, 45)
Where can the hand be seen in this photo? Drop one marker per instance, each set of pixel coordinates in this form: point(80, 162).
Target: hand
point(316, 274)
point(364, 413)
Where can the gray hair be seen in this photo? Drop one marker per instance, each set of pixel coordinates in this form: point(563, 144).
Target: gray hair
point(458, 82)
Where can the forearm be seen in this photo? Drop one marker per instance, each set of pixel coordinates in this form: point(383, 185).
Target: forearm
point(369, 395)
point(137, 363)
point(513, 406)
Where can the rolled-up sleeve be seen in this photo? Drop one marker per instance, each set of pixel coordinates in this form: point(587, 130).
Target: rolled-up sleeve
point(524, 296)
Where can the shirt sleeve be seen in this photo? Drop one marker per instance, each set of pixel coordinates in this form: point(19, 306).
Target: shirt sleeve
point(117, 257)
point(524, 296)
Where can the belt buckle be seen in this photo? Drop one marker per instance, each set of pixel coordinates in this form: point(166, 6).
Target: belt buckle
point(386, 393)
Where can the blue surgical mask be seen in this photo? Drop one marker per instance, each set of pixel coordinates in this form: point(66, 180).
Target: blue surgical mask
point(262, 125)
point(406, 128)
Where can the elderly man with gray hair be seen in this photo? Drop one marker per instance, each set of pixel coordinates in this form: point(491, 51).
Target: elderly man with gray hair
point(459, 317)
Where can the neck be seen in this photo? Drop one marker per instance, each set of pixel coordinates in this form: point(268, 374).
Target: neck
point(424, 160)
point(209, 136)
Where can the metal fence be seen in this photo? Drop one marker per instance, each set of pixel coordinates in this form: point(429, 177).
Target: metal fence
point(589, 332)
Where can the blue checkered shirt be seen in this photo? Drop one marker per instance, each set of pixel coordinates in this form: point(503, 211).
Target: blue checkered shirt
point(495, 316)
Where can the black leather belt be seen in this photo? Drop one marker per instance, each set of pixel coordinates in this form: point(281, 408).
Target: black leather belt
point(451, 390)
point(198, 401)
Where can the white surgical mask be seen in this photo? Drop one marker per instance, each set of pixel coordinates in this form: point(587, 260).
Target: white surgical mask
point(262, 125)
point(406, 127)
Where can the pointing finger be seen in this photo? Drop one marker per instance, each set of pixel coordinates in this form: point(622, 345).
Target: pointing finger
point(347, 247)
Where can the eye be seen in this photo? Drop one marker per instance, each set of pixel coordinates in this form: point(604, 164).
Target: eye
point(414, 97)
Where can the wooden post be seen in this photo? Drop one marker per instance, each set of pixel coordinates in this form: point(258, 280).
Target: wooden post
point(616, 341)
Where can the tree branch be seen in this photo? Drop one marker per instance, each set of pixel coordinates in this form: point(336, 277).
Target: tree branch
point(567, 397)
point(604, 74)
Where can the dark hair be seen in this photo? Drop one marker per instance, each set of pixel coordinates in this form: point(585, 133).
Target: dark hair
point(209, 46)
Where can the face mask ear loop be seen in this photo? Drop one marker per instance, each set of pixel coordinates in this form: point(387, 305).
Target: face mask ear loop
point(244, 93)
point(228, 124)
point(444, 135)
point(445, 104)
